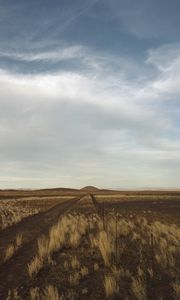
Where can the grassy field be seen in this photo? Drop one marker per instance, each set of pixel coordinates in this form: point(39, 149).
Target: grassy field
point(89, 244)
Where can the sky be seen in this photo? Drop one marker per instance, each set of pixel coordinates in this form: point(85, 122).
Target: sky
point(90, 93)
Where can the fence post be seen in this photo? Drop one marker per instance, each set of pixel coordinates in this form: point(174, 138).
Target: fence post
point(116, 241)
point(152, 252)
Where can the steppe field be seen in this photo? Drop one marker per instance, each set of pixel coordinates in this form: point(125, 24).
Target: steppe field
point(89, 244)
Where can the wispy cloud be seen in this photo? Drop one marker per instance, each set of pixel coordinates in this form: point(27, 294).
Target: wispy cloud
point(62, 54)
point(89, 92)
point(93, 120)
point(166, 59)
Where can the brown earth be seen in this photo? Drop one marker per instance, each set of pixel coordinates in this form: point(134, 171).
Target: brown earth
point(13, 273)
point(155, 205)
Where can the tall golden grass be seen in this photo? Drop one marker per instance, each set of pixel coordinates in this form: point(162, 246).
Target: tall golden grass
point(154, 245)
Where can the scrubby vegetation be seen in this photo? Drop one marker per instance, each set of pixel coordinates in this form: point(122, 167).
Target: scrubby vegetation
point(12, 212)
point(13, 247)
point(135, 257)
point(97, 251)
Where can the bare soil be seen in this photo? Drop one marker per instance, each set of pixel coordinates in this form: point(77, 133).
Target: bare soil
point(13, 273)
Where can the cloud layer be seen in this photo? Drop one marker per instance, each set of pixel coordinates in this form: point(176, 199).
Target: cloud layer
point(74, 127)
point(77, 110)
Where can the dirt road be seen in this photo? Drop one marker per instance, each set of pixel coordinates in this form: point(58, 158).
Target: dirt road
point(13, 273)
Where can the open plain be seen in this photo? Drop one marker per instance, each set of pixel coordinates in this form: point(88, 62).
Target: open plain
point(89, 244)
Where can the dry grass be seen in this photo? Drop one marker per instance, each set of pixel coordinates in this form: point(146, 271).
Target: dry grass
point(12, 248)
point(66, 265)
point(105, 245)
point(9, 252)
point(96, 267)
point(111, 287)
point(18, 240)
point(12, 212)
point(160, 243)
point(139, 289)
point(49, 293)
point(34, 293)
point(66, 233)
point(120, 272)
point(43, 247)
point(131, 250)
point(35, 266)
point(13, 295)
point(75, 264)
point(84, 271)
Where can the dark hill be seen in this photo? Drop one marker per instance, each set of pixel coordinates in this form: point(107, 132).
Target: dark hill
point(89, 189)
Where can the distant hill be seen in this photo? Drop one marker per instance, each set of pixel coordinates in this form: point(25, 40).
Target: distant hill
point(89, 189)
point(59, 190)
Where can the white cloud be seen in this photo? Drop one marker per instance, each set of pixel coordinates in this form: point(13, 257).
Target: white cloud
point(88, 124)
point(167, 60)
point(61, 54)
point(164, 57)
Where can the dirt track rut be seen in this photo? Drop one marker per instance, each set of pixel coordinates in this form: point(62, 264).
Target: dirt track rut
point(13, 273)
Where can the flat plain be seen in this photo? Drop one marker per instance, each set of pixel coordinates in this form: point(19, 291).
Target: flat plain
point(89, 244)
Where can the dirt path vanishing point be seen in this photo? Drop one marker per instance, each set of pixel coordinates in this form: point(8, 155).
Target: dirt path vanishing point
point(99, 206)
point(13, 273)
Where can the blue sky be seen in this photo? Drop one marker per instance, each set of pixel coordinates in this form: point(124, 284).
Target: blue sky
point(89, 93)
